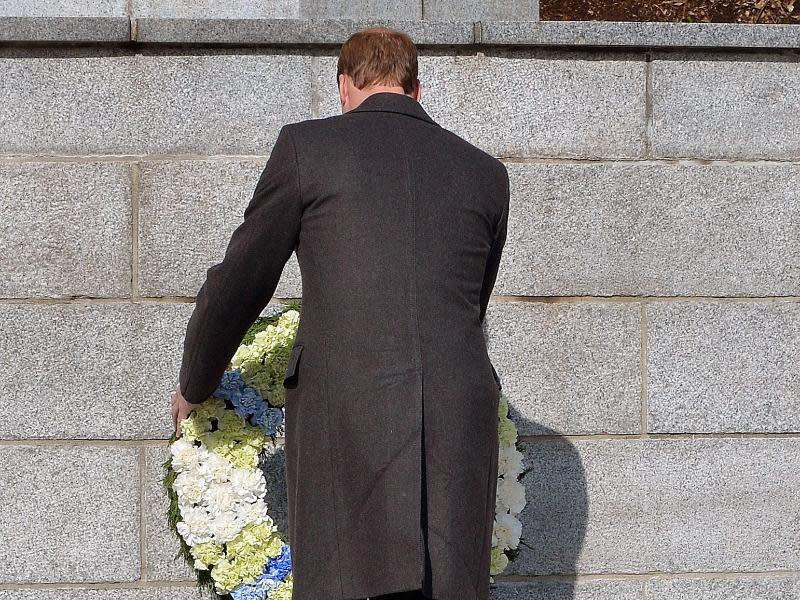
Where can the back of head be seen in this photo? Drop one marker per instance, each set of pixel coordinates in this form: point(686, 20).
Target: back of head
point(376, 59)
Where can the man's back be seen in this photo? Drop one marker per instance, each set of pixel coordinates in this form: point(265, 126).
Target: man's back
point(399, 217)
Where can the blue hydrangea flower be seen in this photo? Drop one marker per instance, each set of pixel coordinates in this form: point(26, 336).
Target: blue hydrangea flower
point(247, 402)
point(269, 420)
point(258, 590)
point(279, 567)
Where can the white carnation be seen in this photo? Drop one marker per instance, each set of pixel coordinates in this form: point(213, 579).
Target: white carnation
point(202, 453)
point(185, 455)
point(220, 498)
point(509, 462)
point(249, 484)
point(190, 487)
point(510, 496)
point(256, 512)
point(215, 468)
point(506, 531)
point(195, 528)
point(226, 526)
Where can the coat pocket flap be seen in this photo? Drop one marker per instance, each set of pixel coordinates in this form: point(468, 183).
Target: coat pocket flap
point(291, 367)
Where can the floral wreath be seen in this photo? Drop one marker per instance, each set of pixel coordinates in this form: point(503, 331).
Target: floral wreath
point(216, 485)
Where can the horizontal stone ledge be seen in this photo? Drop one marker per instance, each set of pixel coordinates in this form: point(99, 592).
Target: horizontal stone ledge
point(639, 35)
point(65, 29)
point(295, 31)
point(282, 31)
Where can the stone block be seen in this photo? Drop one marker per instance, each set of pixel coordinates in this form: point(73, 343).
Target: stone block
point(66, 229)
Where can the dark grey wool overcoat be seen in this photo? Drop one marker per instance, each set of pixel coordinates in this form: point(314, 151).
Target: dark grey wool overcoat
point(391, 399)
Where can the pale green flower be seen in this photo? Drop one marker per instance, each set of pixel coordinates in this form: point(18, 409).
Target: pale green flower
point(230, 421)
point(507, 432)
point(193, 427)
point(255, 437)
point(266, 379)
point(244, 353)
point(207, 552)
point(502, 406)
point(498, 561)
point(284, 590)
point(273, 547)
point(224, 576)
point(209, 408)
point(243, 457)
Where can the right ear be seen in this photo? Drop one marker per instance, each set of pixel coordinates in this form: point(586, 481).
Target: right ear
point(342, 82)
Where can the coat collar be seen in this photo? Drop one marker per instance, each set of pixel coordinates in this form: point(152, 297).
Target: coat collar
point(394, 102)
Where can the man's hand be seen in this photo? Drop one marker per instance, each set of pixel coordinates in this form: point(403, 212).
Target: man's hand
point(180, 410)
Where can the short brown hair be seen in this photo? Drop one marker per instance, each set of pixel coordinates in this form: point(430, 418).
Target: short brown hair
point(379, 55)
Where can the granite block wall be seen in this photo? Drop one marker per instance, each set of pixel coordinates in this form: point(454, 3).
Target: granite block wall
point(645, 322)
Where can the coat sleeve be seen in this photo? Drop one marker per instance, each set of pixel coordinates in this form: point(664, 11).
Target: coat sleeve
point(496, 252)
point(238, 288)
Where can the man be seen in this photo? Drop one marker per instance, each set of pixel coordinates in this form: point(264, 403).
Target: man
point(391, 399)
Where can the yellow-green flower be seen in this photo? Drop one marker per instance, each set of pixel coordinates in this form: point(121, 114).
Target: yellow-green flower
point(230, 421)
point(284, 589)
point(224, 575)
point(207, 552)
point(243, 457)
point(194, 427)
point(265, 378)
point(507, 432)
point(498, 561)
point(502, 406)
point(255, 437)
point(245, 354)
point(273, 546)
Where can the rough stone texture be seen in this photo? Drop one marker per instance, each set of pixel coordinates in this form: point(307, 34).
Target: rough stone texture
point(640, 35)
point(478, 10)
point(66, 101)
point(567, 590)
point(777, 587)
point(652, 229)
point(568, 368)
point(70, 513)
point(295, 31)
point(529, 103)
point(214, 9)
point(361, 9)
point(64, 29)
point(657, 505)
point(64, 8)
point(718, 106)
point(102, 370)
point(89, 101)
point(723, 367)
point(188, 211)
point(65, 230)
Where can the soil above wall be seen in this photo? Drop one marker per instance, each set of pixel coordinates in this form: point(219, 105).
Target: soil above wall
point(675, 11)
